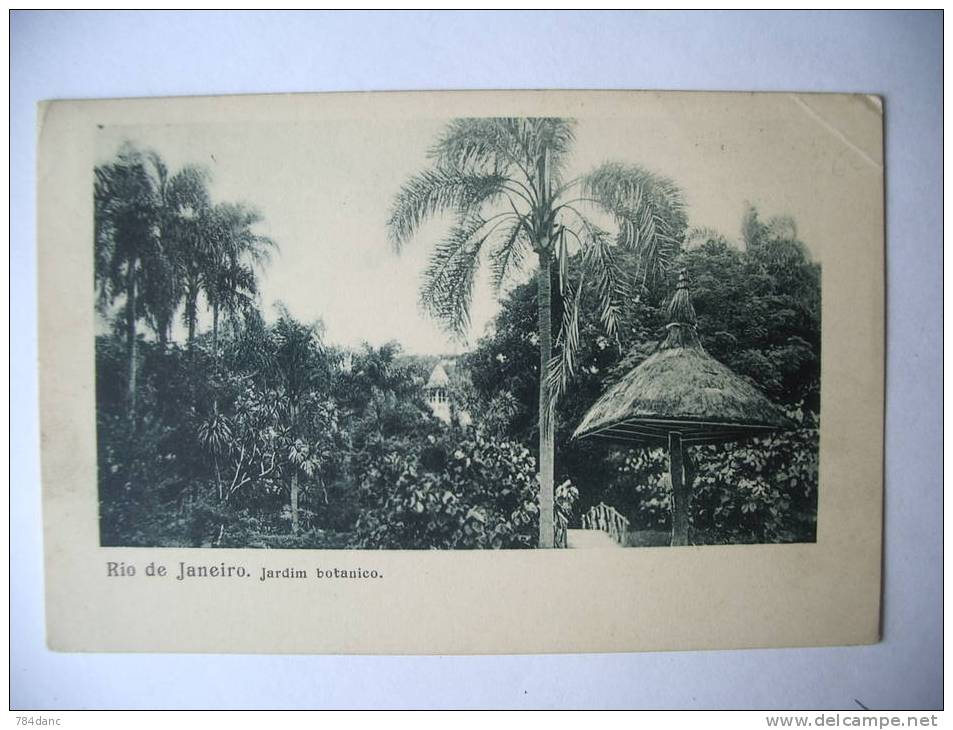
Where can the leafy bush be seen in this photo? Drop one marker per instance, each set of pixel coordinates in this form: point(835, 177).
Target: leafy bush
point(641, 489)
point(478, 493)
point(762, 490)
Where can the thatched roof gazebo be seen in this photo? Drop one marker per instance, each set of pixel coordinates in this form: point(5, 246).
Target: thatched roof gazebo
point(681, 395)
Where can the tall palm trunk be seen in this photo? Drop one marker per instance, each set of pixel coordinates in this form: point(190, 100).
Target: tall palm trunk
point(294, 502)
point(215, 326)
point(294, 471)
point(191, 311)
point(546, 429)
point(547, 447)
point(131, 344)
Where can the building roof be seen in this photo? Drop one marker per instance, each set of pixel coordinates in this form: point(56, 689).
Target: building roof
point(438, 378)
point(682, 388)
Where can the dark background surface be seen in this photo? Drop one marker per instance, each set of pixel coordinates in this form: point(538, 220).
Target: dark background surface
point(898, 55)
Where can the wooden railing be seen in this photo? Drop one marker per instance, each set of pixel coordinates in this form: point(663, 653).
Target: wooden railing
point(609, 520)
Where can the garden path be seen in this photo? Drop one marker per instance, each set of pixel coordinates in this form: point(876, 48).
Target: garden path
point(585, 539)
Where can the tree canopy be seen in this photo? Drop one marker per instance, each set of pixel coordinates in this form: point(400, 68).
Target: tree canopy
point(507, 184)
point(758, 312)
point(230, 430)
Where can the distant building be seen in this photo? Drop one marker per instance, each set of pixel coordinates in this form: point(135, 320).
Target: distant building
point(438, 393)
point(437, 390)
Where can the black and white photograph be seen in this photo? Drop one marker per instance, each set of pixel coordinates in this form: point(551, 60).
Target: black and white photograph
point(465, 333)
point(484, 359)
point(380, 352)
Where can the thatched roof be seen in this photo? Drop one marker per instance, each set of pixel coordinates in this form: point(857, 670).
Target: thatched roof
point(438, 378)
point(682, 388)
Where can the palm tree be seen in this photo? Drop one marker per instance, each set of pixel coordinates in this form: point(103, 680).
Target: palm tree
point(504, 181)
point(184, 199)
point(189, 211)
point(127, 208)
point(232, 252)
point(775, 239)
point(293, 366)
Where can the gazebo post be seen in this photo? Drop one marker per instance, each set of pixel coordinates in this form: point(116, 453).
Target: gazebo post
point(681, 395)
point(680, 491)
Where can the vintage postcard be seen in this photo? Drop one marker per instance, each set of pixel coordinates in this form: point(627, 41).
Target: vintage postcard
point(468, 372)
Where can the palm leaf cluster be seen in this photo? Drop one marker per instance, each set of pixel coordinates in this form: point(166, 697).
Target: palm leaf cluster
point(502, 183)
point(161, 243)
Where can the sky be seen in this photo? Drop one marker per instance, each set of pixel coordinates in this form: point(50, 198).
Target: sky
point(325, 188)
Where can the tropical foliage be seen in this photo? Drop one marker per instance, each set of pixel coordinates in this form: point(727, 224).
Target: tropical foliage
point(474, 492)
point(223, 424)
point(760, 491)
point(774, 340)
point(507, 184)
point(254, 433)
point(279, 440)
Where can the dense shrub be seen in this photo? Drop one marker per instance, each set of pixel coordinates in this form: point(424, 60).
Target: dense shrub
point(758, 308)
point(230, 432)
point(762, 490)
point(479, 492)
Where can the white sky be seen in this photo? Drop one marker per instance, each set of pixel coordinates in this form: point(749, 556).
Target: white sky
point(325, 190)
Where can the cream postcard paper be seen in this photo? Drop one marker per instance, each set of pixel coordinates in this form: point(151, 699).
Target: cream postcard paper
point(291, 352)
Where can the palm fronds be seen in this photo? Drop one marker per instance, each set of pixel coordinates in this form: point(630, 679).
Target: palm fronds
point(215, 432)
point(701, 235)
point(439, 190)
point(482, 143)
point(501, 144)
point(648, 208)
point(447, 287)
point(510, 255)
point(610, 282)
point(512, 166)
